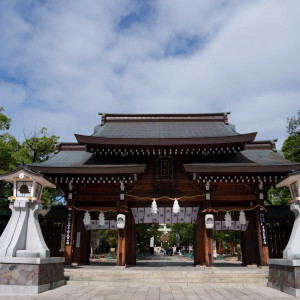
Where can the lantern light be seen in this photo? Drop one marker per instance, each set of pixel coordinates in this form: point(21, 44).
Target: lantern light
point(227, 219)
point(122, 187)
point(101, 219)
point(121, 221)
point(207, 196)
point(242, 218)
point(87, 219)
point(207, 186)
point(154, 207)
point(176, 207)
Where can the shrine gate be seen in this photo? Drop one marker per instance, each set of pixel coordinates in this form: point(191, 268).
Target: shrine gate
point(196, 161)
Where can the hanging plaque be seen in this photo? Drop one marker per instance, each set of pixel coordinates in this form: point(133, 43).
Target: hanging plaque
point(68, 231)
point(263, 228)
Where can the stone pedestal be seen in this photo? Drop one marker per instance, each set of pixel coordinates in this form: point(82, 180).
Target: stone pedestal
point(30, 275)
point(284, 275)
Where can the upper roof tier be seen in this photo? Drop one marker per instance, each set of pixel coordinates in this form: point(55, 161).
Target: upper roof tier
point(165, 129)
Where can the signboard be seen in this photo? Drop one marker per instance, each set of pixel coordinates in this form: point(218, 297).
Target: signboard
point(78, 240)
point(263, 228)
point(68, 231)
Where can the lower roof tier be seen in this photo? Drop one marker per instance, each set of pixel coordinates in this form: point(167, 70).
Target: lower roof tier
point(258, 158)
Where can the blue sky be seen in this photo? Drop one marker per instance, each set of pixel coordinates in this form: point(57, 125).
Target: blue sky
point(62, 62)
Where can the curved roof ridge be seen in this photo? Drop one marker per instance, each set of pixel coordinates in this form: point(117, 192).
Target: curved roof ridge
point(108, 117)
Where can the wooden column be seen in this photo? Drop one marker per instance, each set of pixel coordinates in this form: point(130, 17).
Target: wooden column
point(209, 256)
point(203, 252)
point(121, 247)
point(263, 249)
point(68, 251)
point(199, 247)
point(81, 241)
point(130, 255)
point(126, 243)
point(249, 241)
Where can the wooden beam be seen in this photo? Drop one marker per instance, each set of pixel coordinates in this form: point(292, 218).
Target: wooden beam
point(233, 197)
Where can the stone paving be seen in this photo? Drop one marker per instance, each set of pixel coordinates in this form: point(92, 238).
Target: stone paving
point(163, 292)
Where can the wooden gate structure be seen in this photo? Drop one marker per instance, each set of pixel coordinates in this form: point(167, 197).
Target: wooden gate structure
point(197, 159)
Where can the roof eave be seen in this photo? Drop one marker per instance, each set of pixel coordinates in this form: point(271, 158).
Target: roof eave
point(235, 139)
point(126, 169)
point(238, 168)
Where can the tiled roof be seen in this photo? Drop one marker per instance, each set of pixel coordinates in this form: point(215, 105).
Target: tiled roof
point(74, 161)
point(163, 130)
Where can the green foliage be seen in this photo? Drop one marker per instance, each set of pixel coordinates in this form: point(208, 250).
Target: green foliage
point(291, 146)
point(227, 237)
point(144, 232)
point(4, 120)
point(36, 148)
point(39, 146)
point(108, 240)
point(186, 234)
point(291, 151)
point(51, 196)
point(279, 196)
point(9, 149)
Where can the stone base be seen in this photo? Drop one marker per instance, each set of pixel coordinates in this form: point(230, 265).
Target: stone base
point(284, 275)
point(29, 275)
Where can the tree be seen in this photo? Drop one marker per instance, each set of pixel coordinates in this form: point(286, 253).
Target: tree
point(186, 234)
point(36, 148)
point(108, 240)
point(279, 196)
point(291, 146)
point(291, 151)
point(4, 121)
point(144, 232)
point(227, 237)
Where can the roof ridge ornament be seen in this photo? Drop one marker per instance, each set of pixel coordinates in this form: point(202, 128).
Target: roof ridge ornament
point(106, 117)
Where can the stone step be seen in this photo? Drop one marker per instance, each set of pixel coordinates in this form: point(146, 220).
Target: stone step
point(262, 283)
point(131, 277)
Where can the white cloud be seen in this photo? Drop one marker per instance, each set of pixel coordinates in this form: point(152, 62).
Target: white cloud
point(63, 62)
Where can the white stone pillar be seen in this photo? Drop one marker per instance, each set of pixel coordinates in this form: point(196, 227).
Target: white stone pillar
point(22, 235)
point(292, 250)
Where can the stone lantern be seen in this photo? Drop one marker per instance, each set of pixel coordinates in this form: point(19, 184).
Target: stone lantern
point(22, 245)
point(284, 273)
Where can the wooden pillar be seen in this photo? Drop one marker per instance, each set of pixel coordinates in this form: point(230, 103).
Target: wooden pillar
point(69, 236)
point(121, 247)
point(209, 256)
point(131, 240)
point(203, 252)
point(262, 238)
point(126, 243)
point(199, 246)
point(249, 242)
point(81, 241)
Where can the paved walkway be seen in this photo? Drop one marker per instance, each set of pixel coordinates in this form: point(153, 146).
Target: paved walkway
point(69, 292)
point(163, 292)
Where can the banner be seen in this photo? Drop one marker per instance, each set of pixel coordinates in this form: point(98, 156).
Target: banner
point(263, 228)
point(68, 229)
point(168, 214)
point(195, 211)
point(161, 213)
point(135, 215)
point(148, 216)
point(188, 215)
point(181, 216)
point(141, 215)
